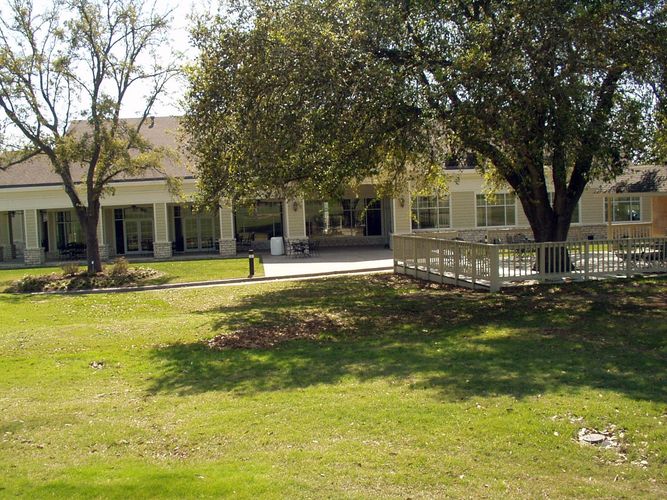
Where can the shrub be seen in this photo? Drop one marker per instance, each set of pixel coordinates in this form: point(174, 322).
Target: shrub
point(121, 267)
point(70, 269)
point(30, 284)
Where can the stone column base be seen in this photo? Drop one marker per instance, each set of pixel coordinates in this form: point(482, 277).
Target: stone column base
point(104, 252)
point(33, 256)
point(162, 249)
point(228, 248)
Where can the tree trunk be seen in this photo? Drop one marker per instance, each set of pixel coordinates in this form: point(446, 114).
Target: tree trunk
point(89, 219)
point(93, 247)
point(548, 226)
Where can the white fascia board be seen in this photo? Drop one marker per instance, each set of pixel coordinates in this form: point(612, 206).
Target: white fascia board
point(126, 193)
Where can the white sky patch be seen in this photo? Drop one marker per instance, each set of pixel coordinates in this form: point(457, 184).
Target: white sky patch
point(169, 103)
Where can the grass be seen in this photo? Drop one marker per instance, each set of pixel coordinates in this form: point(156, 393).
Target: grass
point(176, 271)
point(419, 391)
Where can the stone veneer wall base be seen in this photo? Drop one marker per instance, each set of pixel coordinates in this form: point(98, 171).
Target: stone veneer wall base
point(6, 252)
point(576, 233)
point(228, 248)
point(33, 256)
point(161, 249)
point(104, 252)
point(352, 241)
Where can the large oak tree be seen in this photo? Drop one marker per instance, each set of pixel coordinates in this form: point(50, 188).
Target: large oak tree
point(303, 96)
point(65, 72)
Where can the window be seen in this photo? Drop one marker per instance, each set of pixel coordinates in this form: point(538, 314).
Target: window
point(496, 210)
point(430, 212)
point(575, 213)
point(68, 229)
point(623, 209)
point(261, 222)
point(346, 217)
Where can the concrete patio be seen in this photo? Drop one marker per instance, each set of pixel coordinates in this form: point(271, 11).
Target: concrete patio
point(328, 260)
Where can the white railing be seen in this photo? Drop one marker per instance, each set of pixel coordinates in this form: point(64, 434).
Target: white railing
point(630, 230)
point(489, 266)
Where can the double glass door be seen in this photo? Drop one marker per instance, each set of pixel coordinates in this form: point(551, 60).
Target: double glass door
point(138, 235)
point(199, 233)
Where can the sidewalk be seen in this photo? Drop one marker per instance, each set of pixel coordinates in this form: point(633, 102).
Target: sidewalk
point(329, 260)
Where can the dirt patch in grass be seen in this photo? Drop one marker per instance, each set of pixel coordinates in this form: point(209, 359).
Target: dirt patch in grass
point(291, 327)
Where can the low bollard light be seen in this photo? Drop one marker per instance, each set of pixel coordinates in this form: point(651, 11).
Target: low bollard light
point(251, 263)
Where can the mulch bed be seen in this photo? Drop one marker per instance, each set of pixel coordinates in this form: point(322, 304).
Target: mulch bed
point(267, 336)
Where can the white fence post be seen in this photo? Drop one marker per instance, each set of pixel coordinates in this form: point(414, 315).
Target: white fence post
point(494, 269)
point(441, 260)
point(457, 263)
point(473, 261)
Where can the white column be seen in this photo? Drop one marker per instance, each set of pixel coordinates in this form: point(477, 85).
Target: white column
point(101, 236)
point(401, 215)
point(33, 253)
point(294, 214)
point(5, 244)
point(227, 240)
point(161, 242)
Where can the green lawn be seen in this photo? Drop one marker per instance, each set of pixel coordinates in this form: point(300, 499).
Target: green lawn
point(409, 391)
point(176, 271)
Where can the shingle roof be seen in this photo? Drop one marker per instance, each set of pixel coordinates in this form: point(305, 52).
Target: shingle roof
point(160, 131)
point(638, 179)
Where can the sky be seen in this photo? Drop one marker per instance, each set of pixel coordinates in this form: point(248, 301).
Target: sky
point(168, 105)
point(134, 102)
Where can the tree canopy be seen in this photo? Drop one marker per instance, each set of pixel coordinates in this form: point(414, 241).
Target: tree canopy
point(65, 72)
point(304, 96)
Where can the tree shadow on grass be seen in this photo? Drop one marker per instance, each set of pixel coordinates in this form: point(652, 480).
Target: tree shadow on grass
point(457, 343)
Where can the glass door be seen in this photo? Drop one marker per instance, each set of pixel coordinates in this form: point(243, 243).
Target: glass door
point(207, 233)
point(138, 235)
point(190, 233)
point(146, 227)
point(199, 233)
point(132, 236)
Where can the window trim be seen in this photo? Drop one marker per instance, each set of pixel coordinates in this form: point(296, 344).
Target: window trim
point(613, 200)
point(477, 225)
point(437, 207)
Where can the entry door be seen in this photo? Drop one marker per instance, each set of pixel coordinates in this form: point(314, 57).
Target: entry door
point(191, 234)
point(199, 233)
point(138, 235)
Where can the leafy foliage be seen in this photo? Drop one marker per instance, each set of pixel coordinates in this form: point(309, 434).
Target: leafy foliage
point(304, 96)
point(78, 59)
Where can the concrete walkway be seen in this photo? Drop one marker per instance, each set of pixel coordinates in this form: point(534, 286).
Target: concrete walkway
point(329, 260)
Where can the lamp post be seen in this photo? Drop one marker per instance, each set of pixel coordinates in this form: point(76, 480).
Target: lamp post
point(251, 263)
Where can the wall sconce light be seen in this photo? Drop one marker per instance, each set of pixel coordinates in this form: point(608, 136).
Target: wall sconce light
point(401, 201)
point(295, 205)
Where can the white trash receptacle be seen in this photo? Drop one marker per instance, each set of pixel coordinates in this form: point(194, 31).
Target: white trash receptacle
point(277, 246)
